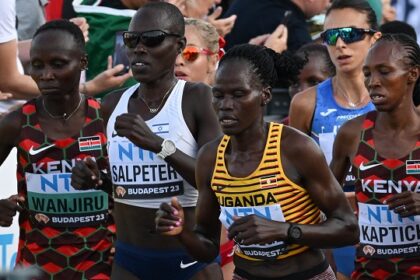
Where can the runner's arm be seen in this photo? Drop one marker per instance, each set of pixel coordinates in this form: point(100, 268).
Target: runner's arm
point(202, 122)
point(345, 145)
point(204, 242)
point(340, 228)
point(302, 109)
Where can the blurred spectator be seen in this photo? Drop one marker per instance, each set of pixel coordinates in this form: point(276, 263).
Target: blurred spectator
point(30, 15)
point(376, 6)
point(277, 41)
point(388, 11)
point(106, 19)
point(408, 11)
point(12, 79)
point(260, 17)
point(207, 10)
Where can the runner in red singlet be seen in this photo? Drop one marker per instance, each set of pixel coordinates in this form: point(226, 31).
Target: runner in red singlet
point(66, 233)
point(383, 147)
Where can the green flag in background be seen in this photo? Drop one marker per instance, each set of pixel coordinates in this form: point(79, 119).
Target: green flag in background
point(104, 23)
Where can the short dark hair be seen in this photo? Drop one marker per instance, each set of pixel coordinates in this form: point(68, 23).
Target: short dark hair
point(396, 27)
point(412, 56)
point(272, 69)
point(314, 49)
point(171, 12)
point(358, 5)
point(66, 26)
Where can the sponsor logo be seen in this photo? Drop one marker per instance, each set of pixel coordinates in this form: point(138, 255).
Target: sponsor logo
point(41, 218)
point(412, 166)
point(368, 250)
point(347, 117)
point(363, 167)
point(120, 191)
point(185, 265)
point(33, 152)
point(89, 143)
point(328, 112)
point(231, 253)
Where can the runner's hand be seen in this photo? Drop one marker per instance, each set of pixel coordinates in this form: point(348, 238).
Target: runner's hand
point(405, 204)
point(8, 208)
point(85, 174)
point(170, 218)
point(253, 229)
point(135, 129)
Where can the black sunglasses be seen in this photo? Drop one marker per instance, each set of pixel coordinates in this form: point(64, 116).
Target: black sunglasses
point(347, 34)
point(149, 39)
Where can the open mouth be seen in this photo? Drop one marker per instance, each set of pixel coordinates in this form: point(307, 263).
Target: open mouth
point(139, 64)
point(376, 97)
point(180, 75)
point(227, 121)
point(343, 57)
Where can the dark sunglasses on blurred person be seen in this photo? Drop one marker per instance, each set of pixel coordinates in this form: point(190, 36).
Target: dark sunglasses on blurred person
point(347, 34)
point(191, 53)
point(149, 39)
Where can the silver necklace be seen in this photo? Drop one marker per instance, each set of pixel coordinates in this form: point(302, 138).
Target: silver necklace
point(154, 110)
point(351, 103)
point(65, 116)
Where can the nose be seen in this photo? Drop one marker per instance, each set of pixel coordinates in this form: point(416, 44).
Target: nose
point(140, 48)
point(372, 81)
point(226, 103)
point(340, 43)
point(47, 74)
point(179, 60)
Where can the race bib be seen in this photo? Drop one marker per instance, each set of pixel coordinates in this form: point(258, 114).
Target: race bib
point(52, 201)
point(385, 234)
point(269, 251)
point(140, 174)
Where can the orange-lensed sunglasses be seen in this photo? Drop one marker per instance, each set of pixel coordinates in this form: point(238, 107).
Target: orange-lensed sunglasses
point(191, 53)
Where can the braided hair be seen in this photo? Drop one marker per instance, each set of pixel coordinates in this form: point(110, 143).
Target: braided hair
point(272, 69)
point(317, 50)
point(411, 56)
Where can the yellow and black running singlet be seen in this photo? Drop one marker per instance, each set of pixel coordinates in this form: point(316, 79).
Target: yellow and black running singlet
point(67, 233)
point(268, 193)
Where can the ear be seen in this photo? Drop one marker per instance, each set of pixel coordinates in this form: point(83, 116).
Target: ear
point(413, 74)
point(211, 66)
point(375, 37)
point(266, 96)
point(84, 62)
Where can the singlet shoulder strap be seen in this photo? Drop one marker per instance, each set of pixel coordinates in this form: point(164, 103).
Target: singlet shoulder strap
point(366, 134)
